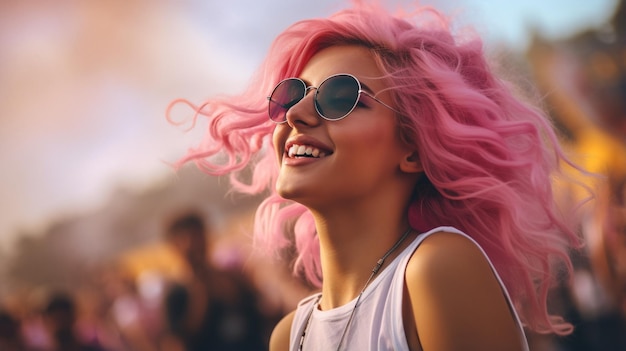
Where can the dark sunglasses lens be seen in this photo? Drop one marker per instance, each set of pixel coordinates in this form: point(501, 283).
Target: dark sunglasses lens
point(337, 96)
point(286, 94)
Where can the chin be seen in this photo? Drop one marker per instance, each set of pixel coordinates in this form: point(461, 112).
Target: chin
point(288, 193)
point(297, 194)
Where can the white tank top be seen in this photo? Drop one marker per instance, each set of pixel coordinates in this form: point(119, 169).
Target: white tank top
point(377, 324)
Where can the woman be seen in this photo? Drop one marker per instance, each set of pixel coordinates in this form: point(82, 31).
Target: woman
point(414, 185)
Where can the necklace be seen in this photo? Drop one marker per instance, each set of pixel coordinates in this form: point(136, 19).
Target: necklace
point(375, 270)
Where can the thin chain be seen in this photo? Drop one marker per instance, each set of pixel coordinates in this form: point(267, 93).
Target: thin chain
point(308, 321)
point(375, 270)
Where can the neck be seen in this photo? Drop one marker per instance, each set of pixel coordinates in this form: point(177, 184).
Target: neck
point(355, 232)
point(351, 250)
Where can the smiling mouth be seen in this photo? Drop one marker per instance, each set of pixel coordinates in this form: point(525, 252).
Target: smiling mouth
point(296, 151)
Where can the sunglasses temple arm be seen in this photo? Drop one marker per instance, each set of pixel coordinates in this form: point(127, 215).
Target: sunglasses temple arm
point(269, 98)
point(380, 101)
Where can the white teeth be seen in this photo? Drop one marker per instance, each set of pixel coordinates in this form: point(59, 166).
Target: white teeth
point(304, 151)
point(292, 150)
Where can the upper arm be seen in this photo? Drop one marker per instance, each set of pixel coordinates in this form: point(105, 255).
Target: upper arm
point(455, 298)
point(279, 341)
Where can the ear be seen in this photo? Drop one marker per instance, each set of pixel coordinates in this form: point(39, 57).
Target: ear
point(411, 163)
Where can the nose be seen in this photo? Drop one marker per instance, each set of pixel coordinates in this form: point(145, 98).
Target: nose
point(304, 113)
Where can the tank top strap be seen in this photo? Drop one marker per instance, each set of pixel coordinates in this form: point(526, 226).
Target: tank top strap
point(398, 282)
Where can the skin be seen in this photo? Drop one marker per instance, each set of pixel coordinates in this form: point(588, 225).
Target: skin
point(359, 194)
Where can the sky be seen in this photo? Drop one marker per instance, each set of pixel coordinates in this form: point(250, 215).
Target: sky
point(84, 84)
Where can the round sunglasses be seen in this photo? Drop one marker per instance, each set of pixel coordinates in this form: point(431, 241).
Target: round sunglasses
point(334, 98)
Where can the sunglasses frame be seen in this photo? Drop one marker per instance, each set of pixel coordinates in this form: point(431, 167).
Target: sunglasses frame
point(315, 101)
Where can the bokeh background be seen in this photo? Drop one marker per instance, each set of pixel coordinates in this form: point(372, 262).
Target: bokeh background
point(85, 180)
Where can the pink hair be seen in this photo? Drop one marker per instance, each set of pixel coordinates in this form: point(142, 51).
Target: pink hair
point(488, 157)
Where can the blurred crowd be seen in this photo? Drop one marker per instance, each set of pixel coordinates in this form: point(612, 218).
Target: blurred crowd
point(203, 301)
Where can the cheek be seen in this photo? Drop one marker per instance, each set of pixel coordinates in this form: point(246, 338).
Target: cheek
point(374, 137)
point(377, 136)
point(278, 140)
point(375, 145)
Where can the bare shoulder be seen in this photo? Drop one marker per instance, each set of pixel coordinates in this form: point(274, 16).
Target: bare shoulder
point(446, 250)
point(447, 260)
point(279, 340)
point(456, 300)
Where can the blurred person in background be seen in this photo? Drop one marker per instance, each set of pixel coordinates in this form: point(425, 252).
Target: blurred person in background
point(10, 333)
point(60, 317)
point(139, 326)
point(95, 323)
point(209, 308)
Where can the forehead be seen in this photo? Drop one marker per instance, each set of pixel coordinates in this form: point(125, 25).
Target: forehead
point(356, 60)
